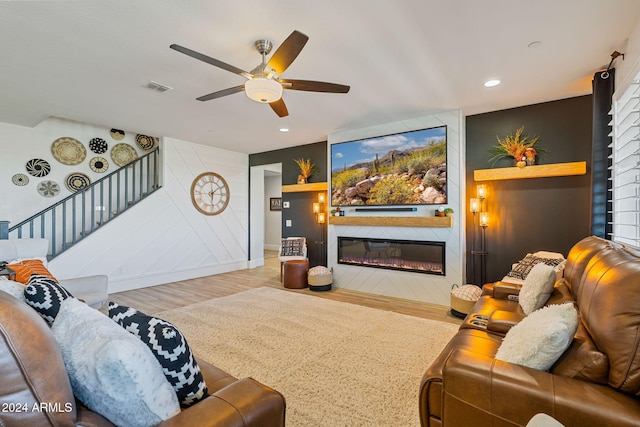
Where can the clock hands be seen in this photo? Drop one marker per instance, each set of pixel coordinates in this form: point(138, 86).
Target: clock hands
point(212, 194)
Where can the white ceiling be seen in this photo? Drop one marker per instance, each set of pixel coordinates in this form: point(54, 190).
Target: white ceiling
point(89, 61)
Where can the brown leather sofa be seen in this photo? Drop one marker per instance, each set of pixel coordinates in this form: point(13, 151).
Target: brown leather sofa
point(35, 389)
point(596, 382)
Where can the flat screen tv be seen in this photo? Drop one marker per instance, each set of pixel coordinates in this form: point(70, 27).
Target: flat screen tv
point(407, 168)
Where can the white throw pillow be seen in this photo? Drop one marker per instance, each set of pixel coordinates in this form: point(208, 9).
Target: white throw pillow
point(13, 288)
point(111, 371)
point(537, 287)
point(540, 338)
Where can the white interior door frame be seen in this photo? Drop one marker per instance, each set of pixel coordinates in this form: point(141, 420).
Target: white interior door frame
point(257, 211)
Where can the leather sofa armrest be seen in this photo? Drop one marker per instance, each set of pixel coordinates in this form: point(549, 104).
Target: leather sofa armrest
point(487, 289)
point(501, 321)
point(492, 392)
point(504, 290)
point(244, 403)
point(87, 418)
point(501, 290)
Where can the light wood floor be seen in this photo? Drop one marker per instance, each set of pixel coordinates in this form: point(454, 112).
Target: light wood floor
point(154, 299)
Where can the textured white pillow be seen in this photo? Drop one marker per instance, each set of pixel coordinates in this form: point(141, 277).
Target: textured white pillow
point(537, 287)
point(13, 288)
point(111, 371)
point(540, 338)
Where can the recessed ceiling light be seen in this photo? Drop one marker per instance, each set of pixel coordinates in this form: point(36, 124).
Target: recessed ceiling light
point(534, 44)
point(492, 83)
point(284, 129)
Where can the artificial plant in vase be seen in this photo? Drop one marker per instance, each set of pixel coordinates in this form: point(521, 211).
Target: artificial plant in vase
point(518, 146)
point(307, 169)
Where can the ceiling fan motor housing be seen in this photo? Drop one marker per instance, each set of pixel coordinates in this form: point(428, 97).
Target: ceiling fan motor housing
point(264, 46)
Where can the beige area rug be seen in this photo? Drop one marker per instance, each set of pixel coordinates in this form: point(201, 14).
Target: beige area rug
point(337, 364)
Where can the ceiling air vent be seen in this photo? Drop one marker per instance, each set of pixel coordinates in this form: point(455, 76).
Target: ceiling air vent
point(158, 87)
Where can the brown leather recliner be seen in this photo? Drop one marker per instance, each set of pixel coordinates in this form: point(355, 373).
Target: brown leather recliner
point(596, 382)
point(35, 389)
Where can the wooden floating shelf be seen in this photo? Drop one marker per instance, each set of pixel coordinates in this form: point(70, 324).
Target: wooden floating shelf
point(393, 221)
point(535, 171)
point(297, 188)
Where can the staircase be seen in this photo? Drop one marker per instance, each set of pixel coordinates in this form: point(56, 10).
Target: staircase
point(77, 216)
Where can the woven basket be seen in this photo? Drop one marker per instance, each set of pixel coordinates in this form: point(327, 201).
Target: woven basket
point(460, 305)
point(463, 298)
point(320, 279)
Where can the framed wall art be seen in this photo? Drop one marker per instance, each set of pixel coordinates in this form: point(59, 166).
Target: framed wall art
point(275, 203)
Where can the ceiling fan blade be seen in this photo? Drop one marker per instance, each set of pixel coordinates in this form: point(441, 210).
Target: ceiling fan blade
point(221, 93)
point(209, 60)
point(287, 52)
point(279, 107)
point(313, 86)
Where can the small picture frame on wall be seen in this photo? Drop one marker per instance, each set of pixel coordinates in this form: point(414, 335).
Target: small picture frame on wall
point(275, 203)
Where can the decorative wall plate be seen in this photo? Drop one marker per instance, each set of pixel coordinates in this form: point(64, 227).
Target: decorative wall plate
point(123, 153)
point(99, 164)
point(77, 181)
point(98, 145)
point(48, 188)
point(38, 167)
point(20, 179)
point(68, 151)
point(147, 143)
point(117, 134)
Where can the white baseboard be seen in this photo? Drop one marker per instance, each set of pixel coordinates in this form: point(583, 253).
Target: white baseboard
point(255, 263)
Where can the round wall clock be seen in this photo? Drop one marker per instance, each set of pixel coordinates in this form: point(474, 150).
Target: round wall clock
point(210, 193)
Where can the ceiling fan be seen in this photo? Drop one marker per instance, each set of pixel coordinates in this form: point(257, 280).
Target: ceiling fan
point(263, 83)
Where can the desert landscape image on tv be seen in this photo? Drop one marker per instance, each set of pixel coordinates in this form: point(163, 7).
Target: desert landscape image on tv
point(407, 168)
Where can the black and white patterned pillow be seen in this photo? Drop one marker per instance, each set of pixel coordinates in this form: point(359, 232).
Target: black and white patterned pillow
point(524, 266)
point(292, 247)
point(45, 295)
point(169, 347)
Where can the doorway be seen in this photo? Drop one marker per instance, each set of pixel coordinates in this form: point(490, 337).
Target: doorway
point(265, 222)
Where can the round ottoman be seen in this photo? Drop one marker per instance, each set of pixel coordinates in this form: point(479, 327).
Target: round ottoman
point(320, 278)
point(295, 274)
point(463, 298)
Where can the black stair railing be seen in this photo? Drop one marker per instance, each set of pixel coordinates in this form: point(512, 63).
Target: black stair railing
point(77, 216)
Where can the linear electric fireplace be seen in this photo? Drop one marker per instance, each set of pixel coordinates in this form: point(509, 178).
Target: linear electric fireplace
point(406, 255)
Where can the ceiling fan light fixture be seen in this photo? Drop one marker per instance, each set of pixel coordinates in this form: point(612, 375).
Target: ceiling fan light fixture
point(263, 90)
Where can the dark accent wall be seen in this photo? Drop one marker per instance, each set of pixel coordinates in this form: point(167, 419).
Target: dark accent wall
point(528, 215)
point(300, 204)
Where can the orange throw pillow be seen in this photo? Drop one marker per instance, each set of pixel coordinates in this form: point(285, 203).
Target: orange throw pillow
point(24, 270)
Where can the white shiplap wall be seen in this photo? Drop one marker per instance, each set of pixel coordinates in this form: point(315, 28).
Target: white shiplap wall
point(415, 286)
point(164, 239)
point(160, 240)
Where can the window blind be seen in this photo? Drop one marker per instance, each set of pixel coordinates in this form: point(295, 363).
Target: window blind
point(625, 165)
